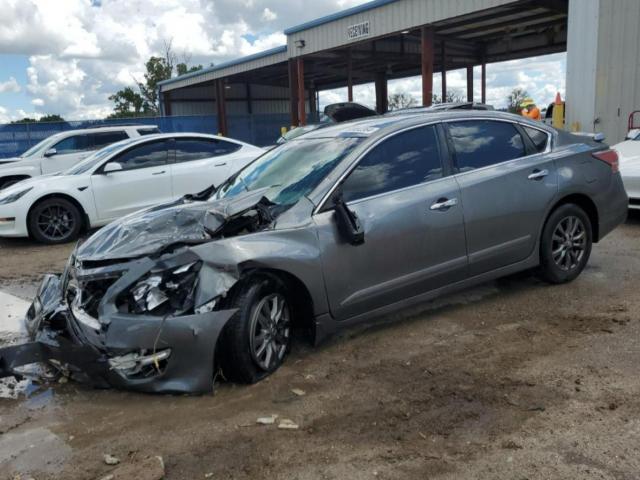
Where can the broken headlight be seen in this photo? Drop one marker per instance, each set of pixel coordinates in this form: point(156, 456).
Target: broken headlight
point(169, 291)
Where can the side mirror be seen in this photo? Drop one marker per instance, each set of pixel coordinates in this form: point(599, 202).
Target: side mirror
point(348, 223)
point(112, 167)
point(50, 153)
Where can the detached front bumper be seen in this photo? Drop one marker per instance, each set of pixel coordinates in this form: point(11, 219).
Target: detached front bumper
point(137, 352)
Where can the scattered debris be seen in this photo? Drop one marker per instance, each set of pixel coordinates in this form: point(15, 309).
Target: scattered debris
point(208, 475)
point(422, 435)
point(110, 459)
point(536, 408)
point(107, 477)
point(299, 392)
point(149, 468)
point(511, 445)
point(270, 420)
point(286, 424)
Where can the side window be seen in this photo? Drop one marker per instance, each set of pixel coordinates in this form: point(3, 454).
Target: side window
point(73, 144)
point(188, 149)
point(480, 143)
point(538, 137)
point(406, 159)
point(143, 156)
point(102, 139)
point(148, 131)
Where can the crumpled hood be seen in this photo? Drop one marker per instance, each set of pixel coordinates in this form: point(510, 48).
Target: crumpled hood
point(147, 231)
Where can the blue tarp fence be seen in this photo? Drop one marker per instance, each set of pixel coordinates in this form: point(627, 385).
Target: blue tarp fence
point(258, 129)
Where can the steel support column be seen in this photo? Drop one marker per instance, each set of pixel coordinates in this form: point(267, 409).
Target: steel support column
point(221, 108)
point(382, 102)
point(483, 83)
point(349, 76)
point(426, 55)
point(302, 114)
point(443, 52)
point(293, 92)
point(470, 83)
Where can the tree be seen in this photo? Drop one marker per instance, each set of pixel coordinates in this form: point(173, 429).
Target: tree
point(401, 100)
point(515, 98)
point(46, 118)
point(129, 103)
point(183, 69)
point(452, 96)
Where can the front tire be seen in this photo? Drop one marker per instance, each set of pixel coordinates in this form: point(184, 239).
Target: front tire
point(565, 245)
point(55, 220)
point(257, 339)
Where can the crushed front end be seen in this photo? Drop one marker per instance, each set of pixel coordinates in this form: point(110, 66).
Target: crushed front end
point(147, 324)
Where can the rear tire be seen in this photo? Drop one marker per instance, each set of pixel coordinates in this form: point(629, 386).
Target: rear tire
point(55, 220)
point(257, 339)
point(565, 245)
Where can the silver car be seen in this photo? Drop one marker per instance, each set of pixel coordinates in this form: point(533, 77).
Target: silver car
point(343, 224)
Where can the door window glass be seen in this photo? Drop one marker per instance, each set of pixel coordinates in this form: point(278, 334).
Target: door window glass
point(538, 137)
point(75, 143)
point(143, 156)
point(102, 139)
point(479, 143)
point(188, 149)
point(405, 159)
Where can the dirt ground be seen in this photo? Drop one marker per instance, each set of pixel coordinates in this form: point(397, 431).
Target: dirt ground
point(514, 379)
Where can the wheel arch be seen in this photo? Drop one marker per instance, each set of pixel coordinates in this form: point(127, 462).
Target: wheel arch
point(83, 213)
point(301, 298)
point(18, 177)
point(583, 201)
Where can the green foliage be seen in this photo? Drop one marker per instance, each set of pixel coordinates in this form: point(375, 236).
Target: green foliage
point(128, 103)
point(45, 118)
point(183, 68)
point(515, 98)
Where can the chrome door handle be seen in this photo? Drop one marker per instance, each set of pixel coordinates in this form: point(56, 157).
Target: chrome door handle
point(444, 204)
point(538, 174)
point(158, 173)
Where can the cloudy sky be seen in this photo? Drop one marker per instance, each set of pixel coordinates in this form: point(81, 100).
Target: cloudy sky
point(68, 56)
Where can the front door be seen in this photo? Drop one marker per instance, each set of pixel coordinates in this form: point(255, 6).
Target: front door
point(144, 181)
point(413, 227)
point(507, 184)
point(69, 151)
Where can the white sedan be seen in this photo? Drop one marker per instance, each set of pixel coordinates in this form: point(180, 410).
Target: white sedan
point(119, 179)
point(629, 158)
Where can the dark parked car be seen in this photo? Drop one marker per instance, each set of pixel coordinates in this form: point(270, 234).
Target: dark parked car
point(342, 224)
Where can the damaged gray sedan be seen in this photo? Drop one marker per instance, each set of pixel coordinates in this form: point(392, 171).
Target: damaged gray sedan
point(341, 224)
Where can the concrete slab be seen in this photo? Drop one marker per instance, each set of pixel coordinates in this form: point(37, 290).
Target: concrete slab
point(12, 312)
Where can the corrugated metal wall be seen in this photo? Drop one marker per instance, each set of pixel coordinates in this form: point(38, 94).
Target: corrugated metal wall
point(384, 20)
point(603, 65)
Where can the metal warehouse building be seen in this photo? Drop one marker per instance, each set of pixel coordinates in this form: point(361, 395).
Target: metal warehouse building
point(390, 39)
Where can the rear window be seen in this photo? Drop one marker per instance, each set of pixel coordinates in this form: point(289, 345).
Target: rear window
point(148, 131)
point(480, 143)
point(102, 139)
point(189, 149)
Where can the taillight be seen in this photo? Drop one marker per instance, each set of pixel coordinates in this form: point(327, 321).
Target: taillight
point(610, 157)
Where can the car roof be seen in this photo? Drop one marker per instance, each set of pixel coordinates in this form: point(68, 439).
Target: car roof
point(127, 142)
point(103, 128)
point(383, 125)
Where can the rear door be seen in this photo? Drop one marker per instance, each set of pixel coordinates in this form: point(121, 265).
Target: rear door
point(507, 183)
point(143, 181)
point(413, 227)
point(202, 162)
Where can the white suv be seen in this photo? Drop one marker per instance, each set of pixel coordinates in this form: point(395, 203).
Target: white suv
point(63, 150)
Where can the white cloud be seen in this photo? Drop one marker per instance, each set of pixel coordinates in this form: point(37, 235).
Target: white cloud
point(10, 86)
point(268, 15)
point(4, 115)
point(80, 53)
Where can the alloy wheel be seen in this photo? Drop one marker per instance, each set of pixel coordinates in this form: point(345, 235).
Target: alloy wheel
point(55, 222)
point(568, 243)
point(270, 331)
